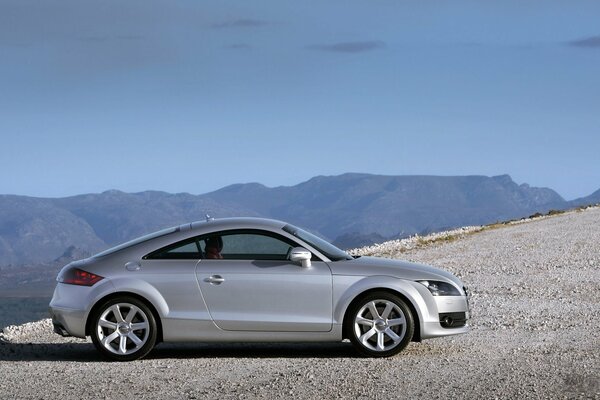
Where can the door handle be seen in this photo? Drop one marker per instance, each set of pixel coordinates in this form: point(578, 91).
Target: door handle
point(215, 279)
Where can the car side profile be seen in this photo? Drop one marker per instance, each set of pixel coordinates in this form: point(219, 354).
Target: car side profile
point(251, 280)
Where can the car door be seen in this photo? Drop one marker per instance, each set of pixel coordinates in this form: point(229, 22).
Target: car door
point(254, 287)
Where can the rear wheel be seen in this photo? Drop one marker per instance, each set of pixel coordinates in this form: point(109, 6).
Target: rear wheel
point(380, 324)
point(124, 329)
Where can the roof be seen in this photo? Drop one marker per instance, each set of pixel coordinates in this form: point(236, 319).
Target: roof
point(233, 223)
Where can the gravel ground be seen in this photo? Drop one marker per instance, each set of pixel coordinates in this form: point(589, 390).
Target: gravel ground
point(535, 334)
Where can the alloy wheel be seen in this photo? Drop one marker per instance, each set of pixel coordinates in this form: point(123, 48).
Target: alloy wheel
point(123, 329)
point(379, 324)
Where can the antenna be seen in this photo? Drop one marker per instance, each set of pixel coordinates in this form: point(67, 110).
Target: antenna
point(209, 218)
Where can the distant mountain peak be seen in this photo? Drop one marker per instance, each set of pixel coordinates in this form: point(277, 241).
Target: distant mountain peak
point(241, 188)
point(112, 192)
point(73, 253)
point(504, 178)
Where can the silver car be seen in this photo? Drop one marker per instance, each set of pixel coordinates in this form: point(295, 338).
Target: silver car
point(251, 280)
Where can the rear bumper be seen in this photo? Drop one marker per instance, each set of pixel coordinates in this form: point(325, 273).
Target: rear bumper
point(71, 304)
point(68, 321)
point(59, 328)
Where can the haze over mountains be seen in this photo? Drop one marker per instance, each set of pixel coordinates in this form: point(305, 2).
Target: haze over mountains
point(350, 209)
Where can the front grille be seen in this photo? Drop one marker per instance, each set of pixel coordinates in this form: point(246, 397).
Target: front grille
point(453, 320)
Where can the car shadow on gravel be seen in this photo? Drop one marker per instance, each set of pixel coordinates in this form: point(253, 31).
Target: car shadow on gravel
point(85, 352)
point(48, 352)
point(254, 350)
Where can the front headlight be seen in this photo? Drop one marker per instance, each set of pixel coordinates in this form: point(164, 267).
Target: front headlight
point(438, 288)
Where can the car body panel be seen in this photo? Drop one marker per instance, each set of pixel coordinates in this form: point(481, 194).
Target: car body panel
point(179, 330)
point(396, 268)
point(348, 288)
point(277, 296)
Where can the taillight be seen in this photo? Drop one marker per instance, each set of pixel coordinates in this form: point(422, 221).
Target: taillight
point(76, 276)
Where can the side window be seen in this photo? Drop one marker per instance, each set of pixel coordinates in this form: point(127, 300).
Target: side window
point(184, 250)
point(245, 246)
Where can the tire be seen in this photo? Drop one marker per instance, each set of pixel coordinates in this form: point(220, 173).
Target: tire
point(124, 329)
point(379, 324)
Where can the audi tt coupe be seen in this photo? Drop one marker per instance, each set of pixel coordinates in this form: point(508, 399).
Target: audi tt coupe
point(251, 280)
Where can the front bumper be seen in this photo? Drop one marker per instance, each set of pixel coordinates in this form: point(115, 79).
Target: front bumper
point(444, 315)
point(453, 319)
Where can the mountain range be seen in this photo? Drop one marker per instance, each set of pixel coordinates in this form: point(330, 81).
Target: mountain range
point(350, 209)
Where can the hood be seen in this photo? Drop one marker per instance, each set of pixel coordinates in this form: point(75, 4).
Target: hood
point(367, 266)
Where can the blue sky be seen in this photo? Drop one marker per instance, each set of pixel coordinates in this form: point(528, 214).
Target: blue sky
point(190, 96)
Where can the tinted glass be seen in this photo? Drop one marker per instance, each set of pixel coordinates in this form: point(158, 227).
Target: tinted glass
point(329, 250)
point(184, 250)
point(250, 246)
point(137, 241)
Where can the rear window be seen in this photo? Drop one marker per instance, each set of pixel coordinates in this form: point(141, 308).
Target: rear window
point(137, 241)
point(185, 250)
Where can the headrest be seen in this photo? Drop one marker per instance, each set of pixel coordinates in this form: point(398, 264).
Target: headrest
point(215, 242)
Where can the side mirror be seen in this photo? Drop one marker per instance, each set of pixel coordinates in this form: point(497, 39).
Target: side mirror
point(300, 254)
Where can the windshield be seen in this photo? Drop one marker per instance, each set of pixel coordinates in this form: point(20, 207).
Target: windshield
point(329, 250)
point(137, 241)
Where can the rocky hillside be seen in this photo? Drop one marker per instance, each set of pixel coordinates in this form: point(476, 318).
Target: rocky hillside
point(593, 198)
point(350, 209)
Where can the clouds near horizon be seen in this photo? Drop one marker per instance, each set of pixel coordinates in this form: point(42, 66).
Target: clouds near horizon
point(349, 47)
point(589, 42)
point(240, 23)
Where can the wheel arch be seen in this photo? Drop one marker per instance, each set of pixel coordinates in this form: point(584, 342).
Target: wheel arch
point(148, 303)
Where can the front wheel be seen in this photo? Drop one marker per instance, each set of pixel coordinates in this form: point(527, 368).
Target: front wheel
point(380, 325)
point(124, 329)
